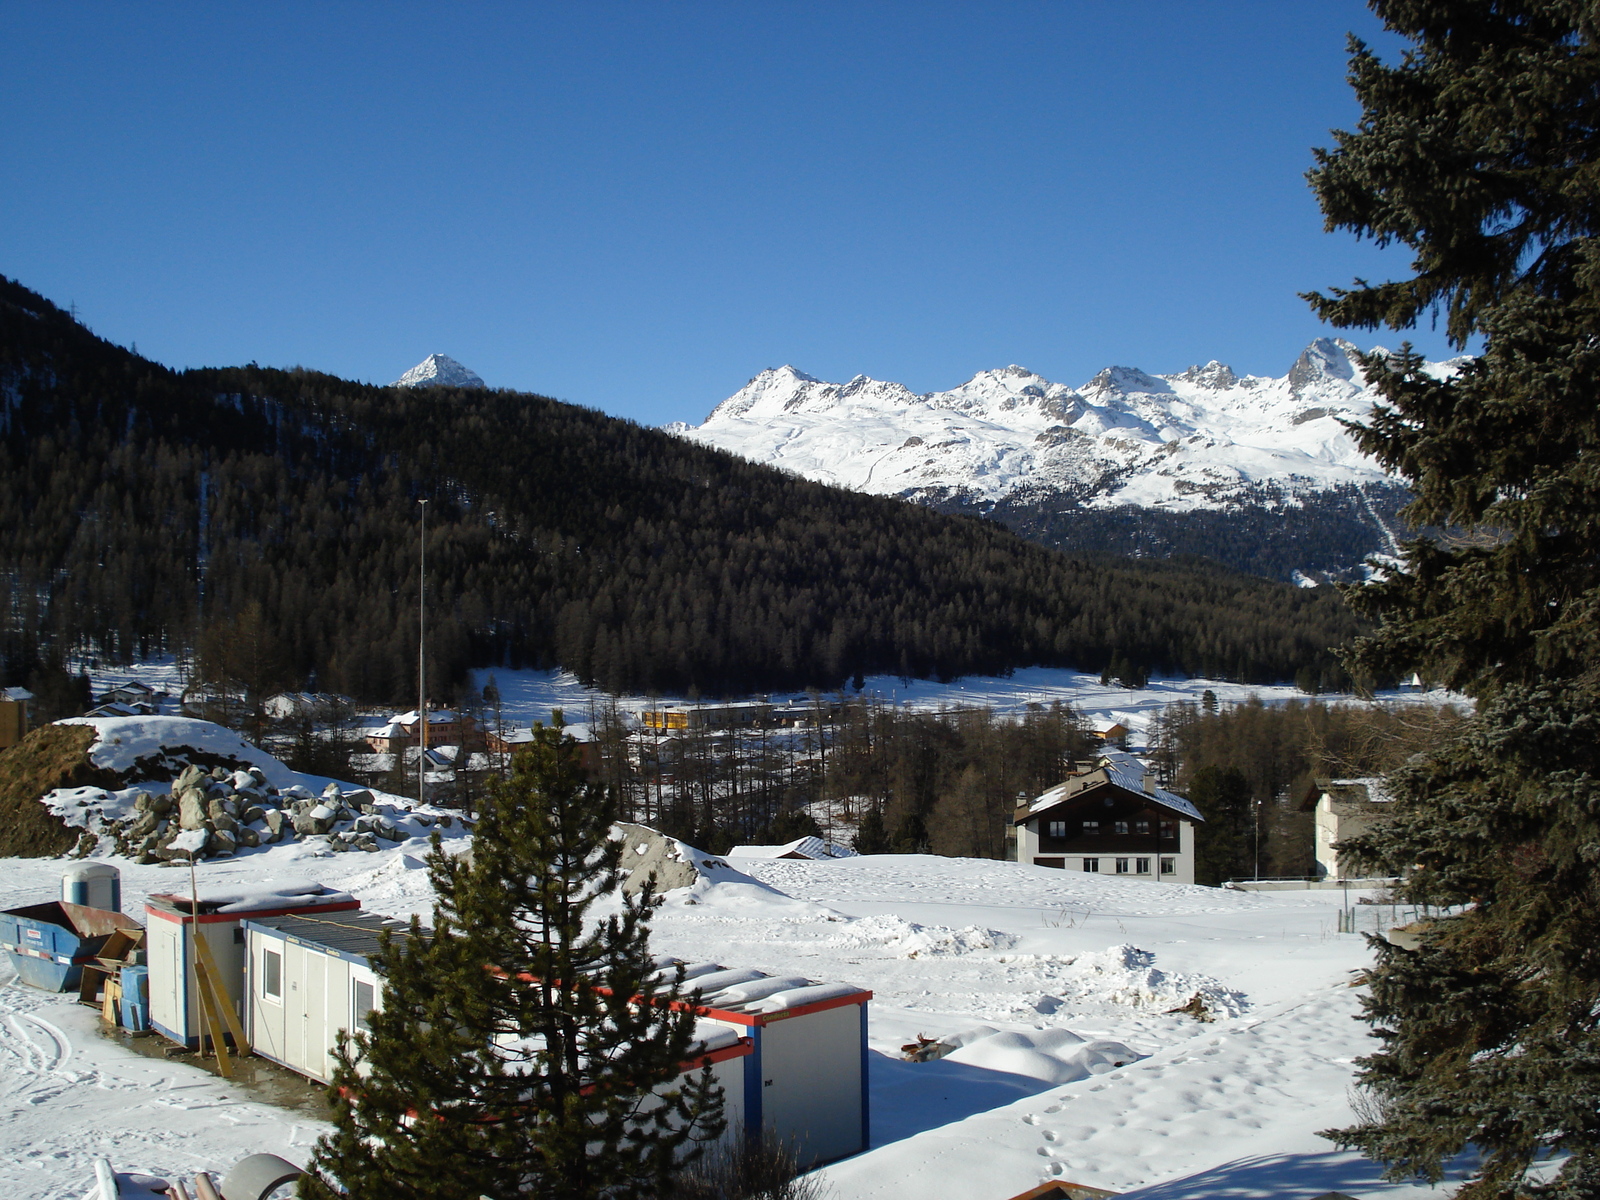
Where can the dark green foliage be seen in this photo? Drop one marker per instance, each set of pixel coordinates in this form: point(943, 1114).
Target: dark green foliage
point(144, 510)
point(1224, 843)
point(1330, 532)
point(1279, 750)
point(1478, 153)
point(527, 1032)
point(871, 837)
point(1490, 1030)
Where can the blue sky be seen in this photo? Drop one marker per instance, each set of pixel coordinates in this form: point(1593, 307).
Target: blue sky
point(637, 206)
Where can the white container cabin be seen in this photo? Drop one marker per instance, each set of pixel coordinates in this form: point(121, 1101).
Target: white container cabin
point(171, 921)
point(790, 1054)
point(312, 979)
point(805, 1078)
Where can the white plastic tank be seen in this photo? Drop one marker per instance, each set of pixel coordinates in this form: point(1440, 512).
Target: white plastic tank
point(92, 884)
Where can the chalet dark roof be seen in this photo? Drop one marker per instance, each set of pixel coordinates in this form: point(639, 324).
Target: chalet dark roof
point(1114, 769)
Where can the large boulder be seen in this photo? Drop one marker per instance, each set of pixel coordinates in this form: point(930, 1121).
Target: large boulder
point(193, 808)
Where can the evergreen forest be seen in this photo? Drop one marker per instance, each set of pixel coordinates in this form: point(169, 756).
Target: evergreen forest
point(268, 520)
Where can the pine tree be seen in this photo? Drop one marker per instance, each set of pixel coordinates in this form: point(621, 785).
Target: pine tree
point(1478, 153)
point(527, 1046)
point(1222, 845)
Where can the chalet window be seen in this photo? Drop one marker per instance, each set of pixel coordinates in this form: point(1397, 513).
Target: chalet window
point(1057, 863)
point(1091, 829)
point(1092, 865)
point(363, 1002)
point(1169, 866)
point(1121, 827)
point(1122, 866)
point(1141, 866)
point(272, 975)
point(1057, 829)
point(1141, 826)
point(1169, 829)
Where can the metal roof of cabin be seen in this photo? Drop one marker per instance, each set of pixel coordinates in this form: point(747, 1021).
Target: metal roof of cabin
point(349, 935)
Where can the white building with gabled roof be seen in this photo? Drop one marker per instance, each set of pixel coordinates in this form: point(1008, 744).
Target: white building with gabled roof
point(1108, 817)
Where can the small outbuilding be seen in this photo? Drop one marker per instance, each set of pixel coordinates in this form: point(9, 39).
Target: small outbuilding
point(172, 921)
point(805, 1078)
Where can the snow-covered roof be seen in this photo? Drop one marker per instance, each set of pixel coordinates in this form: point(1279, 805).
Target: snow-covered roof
point(750, 991)
point(806, 847)
point(435, 716)
point(1371, 785)
point(15, 694)
point(392, 730)
point(1123, 770)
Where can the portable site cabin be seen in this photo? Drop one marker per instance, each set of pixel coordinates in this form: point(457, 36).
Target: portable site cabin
point(790, 1054)
point(307, 980)
point(805, 1078)
point(312, 978)
point(171, 921)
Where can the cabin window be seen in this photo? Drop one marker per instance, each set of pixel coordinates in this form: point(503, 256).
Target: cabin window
point(1058, 829)
point(1091, 829)
point(1141, 866)
point(1092, 865)
point(272, 975)
point(1141, 826)
point(1121, 827)
point(1122, 866)
point(1169, 829)
point(1169, 866)
point(363, 1002)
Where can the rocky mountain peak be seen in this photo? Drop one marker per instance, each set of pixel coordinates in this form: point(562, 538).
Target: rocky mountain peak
point(439, 370)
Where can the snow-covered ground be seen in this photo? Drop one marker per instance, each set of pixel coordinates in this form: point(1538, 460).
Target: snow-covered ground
point(528, 696)
point(1047, 979)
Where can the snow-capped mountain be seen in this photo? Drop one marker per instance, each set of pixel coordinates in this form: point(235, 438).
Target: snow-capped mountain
point(439, 370)
point(1254, 471)
point(1202, 439)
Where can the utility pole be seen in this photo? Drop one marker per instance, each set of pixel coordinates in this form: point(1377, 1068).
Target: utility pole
point(422, 660)
point(1256, 813)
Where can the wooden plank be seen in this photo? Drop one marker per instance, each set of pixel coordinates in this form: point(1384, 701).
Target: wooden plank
point(208, 1010)
point(220, 995)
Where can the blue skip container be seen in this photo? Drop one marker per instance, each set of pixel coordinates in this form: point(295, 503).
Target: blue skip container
point(50, 943)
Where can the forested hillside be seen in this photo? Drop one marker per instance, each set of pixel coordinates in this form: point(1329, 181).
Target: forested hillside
point(272, 516)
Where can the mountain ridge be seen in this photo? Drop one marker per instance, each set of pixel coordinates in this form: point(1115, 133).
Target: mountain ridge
point(1038, 455)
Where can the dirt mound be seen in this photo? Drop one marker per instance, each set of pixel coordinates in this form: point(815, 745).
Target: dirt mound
point(52, 756)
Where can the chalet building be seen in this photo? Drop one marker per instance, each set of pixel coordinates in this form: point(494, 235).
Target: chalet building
point(445, 728)
point(511, 739)
point(1108, 817)
point(1342, 808)
point(16, 715)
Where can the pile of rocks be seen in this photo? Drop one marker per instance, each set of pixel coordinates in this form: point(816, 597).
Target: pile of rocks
point(216, 812)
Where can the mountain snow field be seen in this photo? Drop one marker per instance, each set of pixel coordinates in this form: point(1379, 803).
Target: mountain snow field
point(1202, 438)
point(1049, 993)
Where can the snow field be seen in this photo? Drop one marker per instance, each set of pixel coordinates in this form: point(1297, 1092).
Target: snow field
point(1042, 981)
